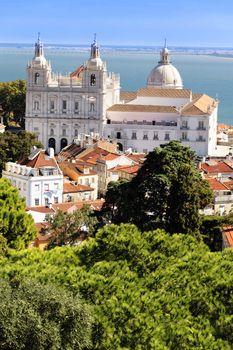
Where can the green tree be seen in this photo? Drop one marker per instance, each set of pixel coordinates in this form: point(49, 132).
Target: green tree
point(67, 228)
point(36, 316)
point(167, 192)
point(16, 226)
point(12, 101)
point(148, 290)
point(15, 146)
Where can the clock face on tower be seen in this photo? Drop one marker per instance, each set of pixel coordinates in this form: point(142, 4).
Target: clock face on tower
point(93, 80)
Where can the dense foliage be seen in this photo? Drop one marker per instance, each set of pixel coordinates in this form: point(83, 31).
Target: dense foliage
point(35, 316)
point(70, 228)
point(17, 228)
point(15, 146)
point(12, 101)
point(167, 192)
point(148, 290)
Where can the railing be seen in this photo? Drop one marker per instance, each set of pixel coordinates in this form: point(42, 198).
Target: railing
point(184, 127)
point(201, 128)
point(224, 199)
point(143, 123)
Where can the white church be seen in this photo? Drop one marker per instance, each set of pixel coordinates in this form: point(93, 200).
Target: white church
point(89, 101)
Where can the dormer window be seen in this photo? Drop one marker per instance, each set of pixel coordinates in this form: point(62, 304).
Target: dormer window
point(37, 78)
point(93, 80)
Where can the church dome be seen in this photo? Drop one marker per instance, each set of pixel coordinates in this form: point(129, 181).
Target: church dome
point(165, 75)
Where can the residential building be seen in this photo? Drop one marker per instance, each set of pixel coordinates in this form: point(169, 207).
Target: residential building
point(81, 174)
point(37, 177)
point(74, 193)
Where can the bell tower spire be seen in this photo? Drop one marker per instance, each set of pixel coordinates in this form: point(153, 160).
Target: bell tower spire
point(95, 53)
point(39, 51)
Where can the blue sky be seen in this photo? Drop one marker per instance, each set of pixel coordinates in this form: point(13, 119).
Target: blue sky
point(148, 22)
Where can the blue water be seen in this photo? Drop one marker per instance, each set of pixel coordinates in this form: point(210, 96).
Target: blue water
point(201, 73)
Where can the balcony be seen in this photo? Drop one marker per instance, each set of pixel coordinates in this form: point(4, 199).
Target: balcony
point(201, 128)
point(183, 127)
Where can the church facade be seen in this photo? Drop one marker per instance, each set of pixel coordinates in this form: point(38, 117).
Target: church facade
point(60, 108)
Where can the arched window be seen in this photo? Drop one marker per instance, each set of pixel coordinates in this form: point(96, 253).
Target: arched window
point(37, 78)
point(120, 147)
point(63, 143)
point(93, 80)
point(52, 143)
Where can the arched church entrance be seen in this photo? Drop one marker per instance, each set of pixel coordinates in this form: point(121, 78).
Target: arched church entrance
point(63, 143)
point(120, 147)
point(52, 143)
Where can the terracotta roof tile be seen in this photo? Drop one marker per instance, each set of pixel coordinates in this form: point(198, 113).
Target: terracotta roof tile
point(154, 92)
point(203, 105)
point(142, 108)
point(228, 235)
point(41, 160)
point(214, 167)
point(216, 185)
point(68, 187)
point(128, 95)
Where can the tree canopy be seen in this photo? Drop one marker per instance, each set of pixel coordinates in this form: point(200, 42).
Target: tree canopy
point(69, 228)
point(147, 290)
point(13, 101)
point(15, 146)
point(36, 316)
point(16, 226)
point(167, 192)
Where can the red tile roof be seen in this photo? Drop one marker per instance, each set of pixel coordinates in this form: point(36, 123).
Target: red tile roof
point(92, 156)
point(216, 167)
point(95, 204)
point(110, 156)
point(228, 236)
point(68, 187)
point(40, 160)
point(216, 185)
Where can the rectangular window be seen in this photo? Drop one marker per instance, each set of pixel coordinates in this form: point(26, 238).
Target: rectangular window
point(118, 135)
point(37, 202)
point(87, 182)
point(184, 136)
point(46, 201)
point(24, 186)
point(64, 105)
point(76, 107)
point(46, 187)
point(81, 181)
point(55, 199)
point(145, 135)
point(75, 132)
point(184, 124)
point(93, 180)
point(201, 125)
point(134, 135)
point(63, 132)
point(52, 106)
point(167, 136)
point(56, 186)
point(156, 136)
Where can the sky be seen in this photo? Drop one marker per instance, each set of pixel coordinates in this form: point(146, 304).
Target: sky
point(207, 23)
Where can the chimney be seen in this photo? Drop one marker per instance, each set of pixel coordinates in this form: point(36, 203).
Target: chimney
point(51, 152)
